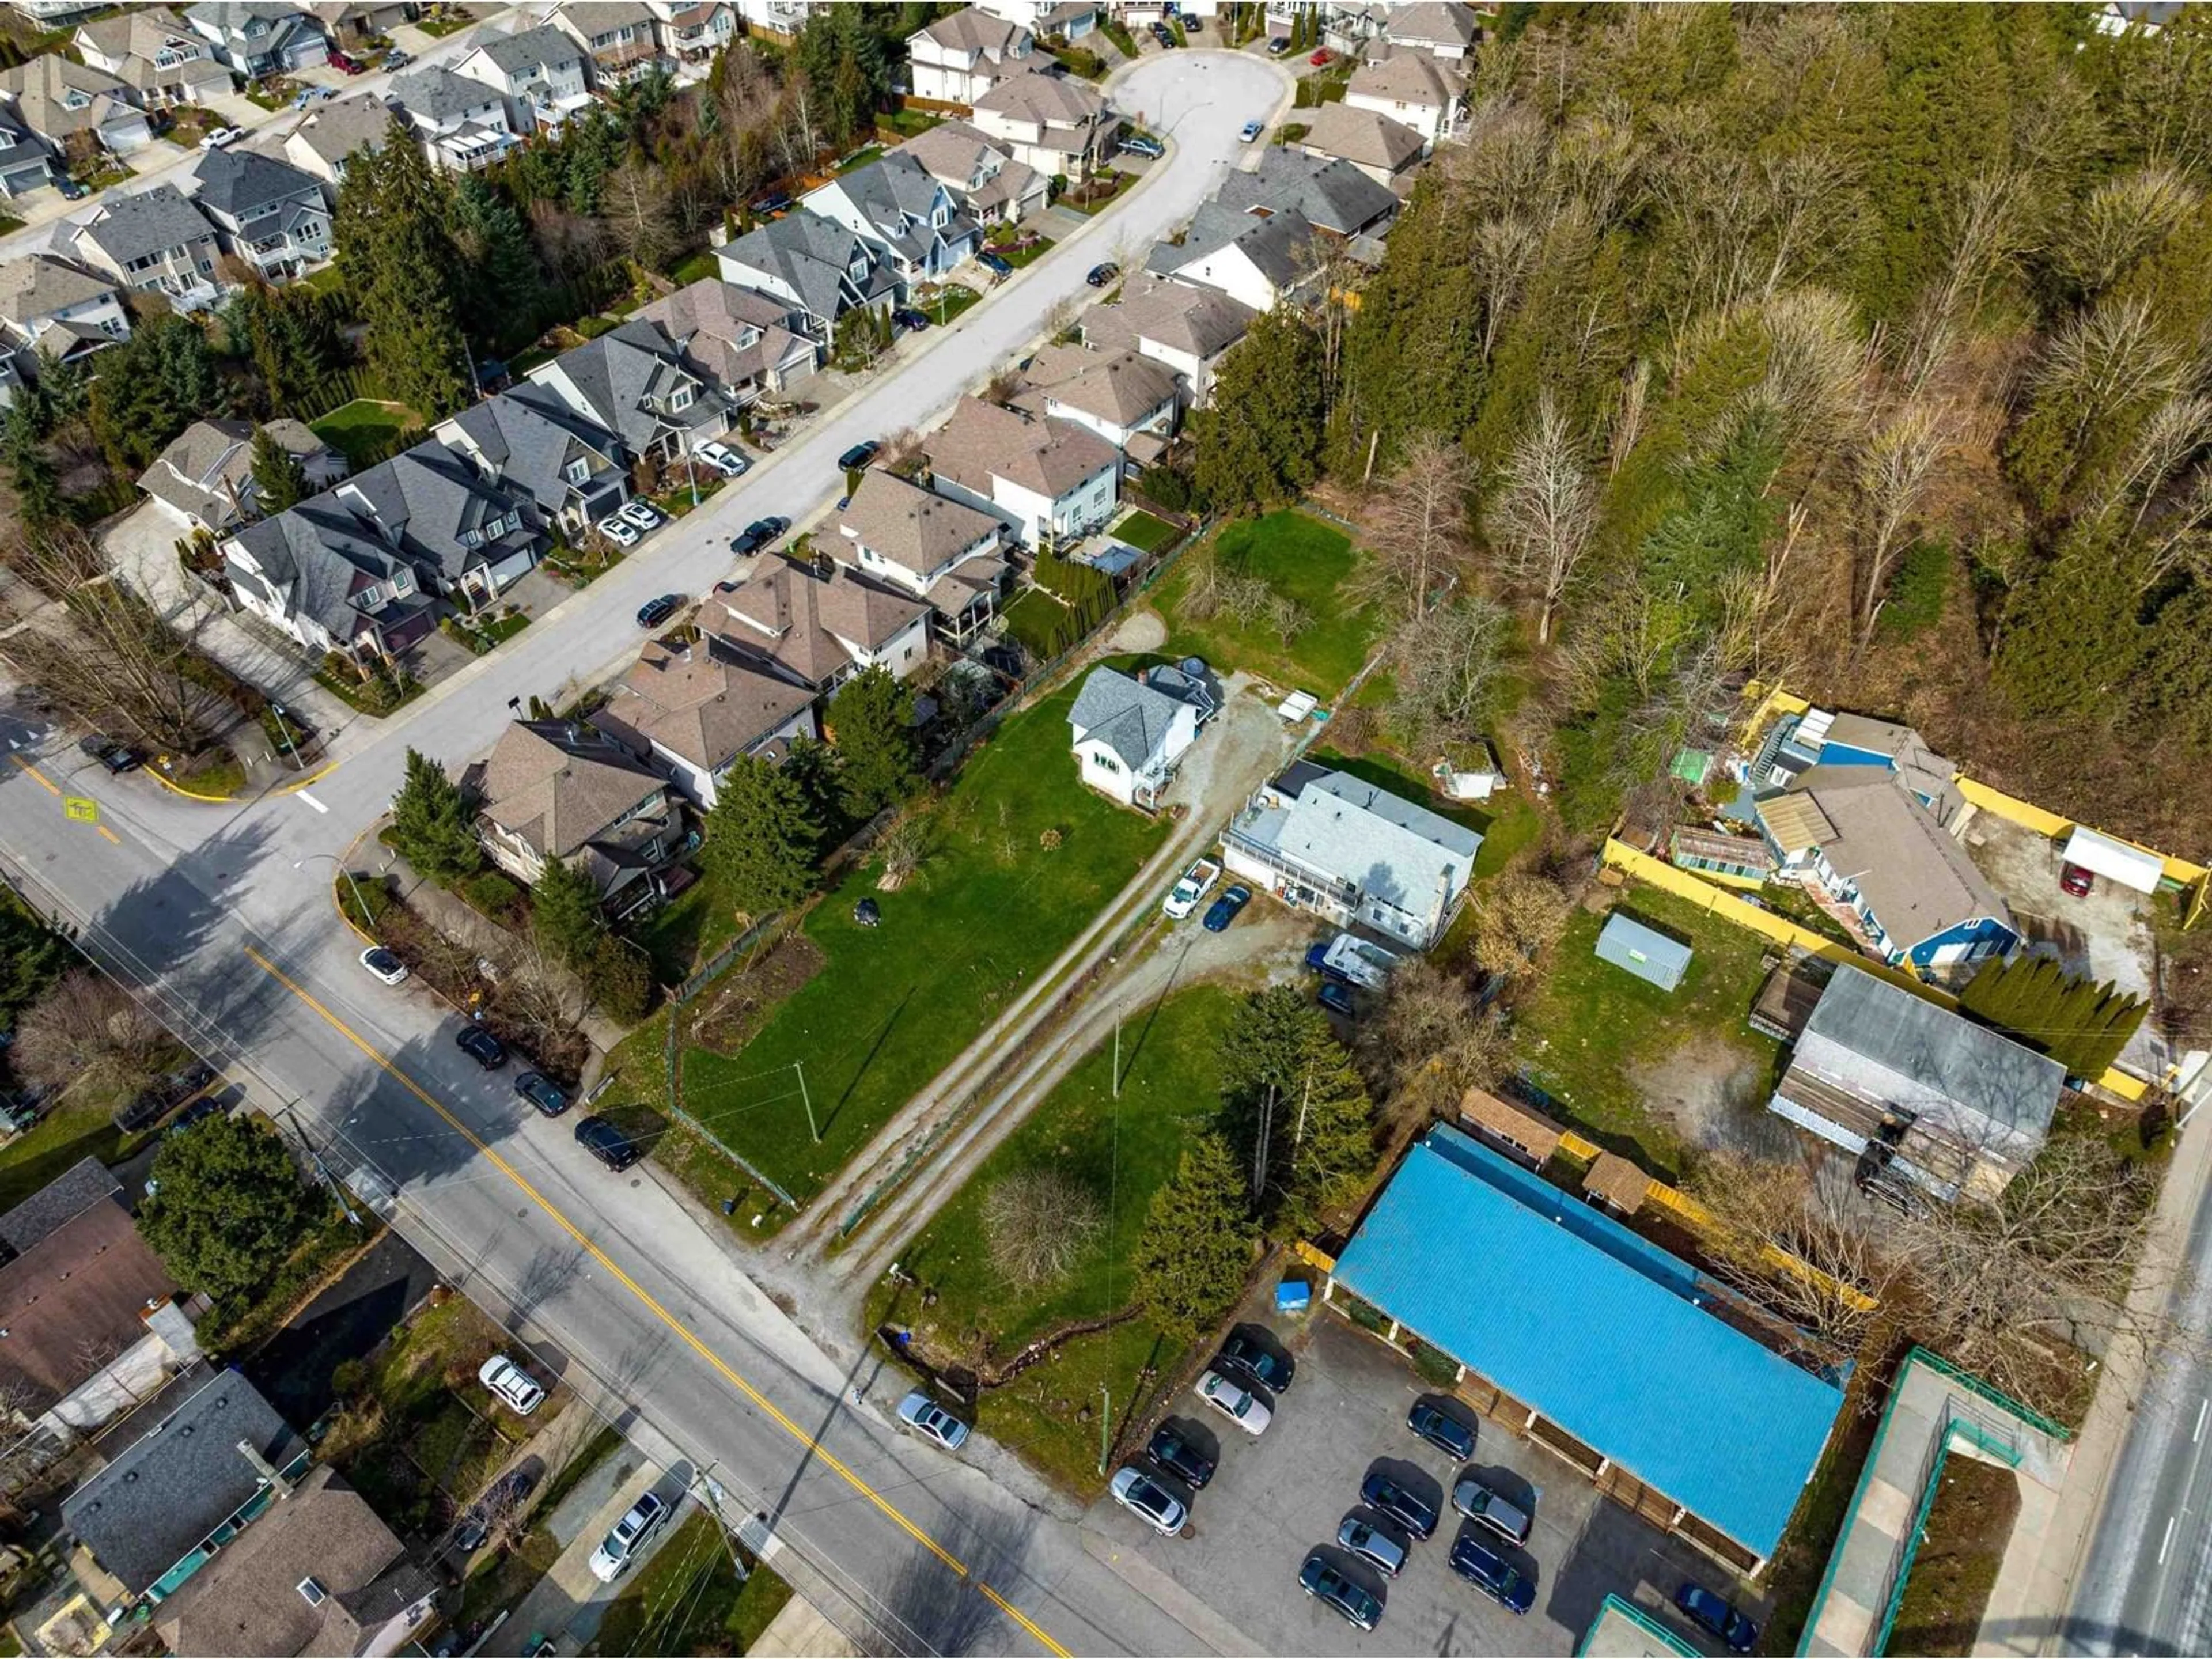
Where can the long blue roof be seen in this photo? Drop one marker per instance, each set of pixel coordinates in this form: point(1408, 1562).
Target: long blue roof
point(1595, 1328)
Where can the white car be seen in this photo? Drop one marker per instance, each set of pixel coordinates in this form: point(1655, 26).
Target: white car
point(1240, 1405)
point(919, 1413)
point(620, 1547)
point(1190, 892)
point(619, 531)
point(1150, 1502)
point(724, 460)
point(222, 138)
point(641, 514)
point(511, 1384)
point(385, 965)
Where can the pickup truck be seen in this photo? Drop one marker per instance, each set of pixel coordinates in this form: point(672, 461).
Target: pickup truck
point(1196, 883)
point(1350, 961)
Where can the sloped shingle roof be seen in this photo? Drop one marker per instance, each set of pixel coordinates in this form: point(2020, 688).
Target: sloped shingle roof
point(1119, 386)
point(242, 183)
point(147, 221)
point(1201, 321)
point(706, 706)
point(1050, 456)
point(1365, 137)
point(798, 618)
point(909, 525)
point(812, 254)
point(1331, 194)
point(1130, 719)
point(39, 284)
point(558, 789)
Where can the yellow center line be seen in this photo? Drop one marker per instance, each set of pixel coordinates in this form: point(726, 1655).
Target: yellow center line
point(52, 788)
point(691, 1338)
point(109, 835)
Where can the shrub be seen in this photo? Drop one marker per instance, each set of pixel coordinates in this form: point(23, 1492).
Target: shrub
point(1166, 486)
point(619, 981)
point(491, 893)
point(348, 1378)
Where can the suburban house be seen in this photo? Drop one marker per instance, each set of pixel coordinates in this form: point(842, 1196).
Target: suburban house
point(260, 38)
point(1333, 197)
point(957, 59)
point(634, 381)
point(1128, 736)
point(1412, 89)
point(819, 267)
point(320, 573)
point(529, 441)
point(1384, 149)
point(1127, 399)
point(823, 626)
point(1254, 259)
point(1338, 846)
point(204, 479)
point(24, 163)
point(1066, 19)
point(1922, 1095)
point(553, 789)
point(935, 548)
point(356, 23)
point(983, 174)
point(154, 241)
point(1052, 480)
point(739, 337)
point(93, 1320)
point(468, 539)
point(55, 100)
point(319, 1574)
point(1445, 29)
point(156, 54)
point(698, 711)
point(1183, 328)
point(621, 35)
point(692, 31)
point(265, 212)
point(462, 124)
point(187, 1473)
point(914, 222)
point(540, 72)
point(1055, 124)
point(336, 130)
point(56, 310)
point(1645, 1376)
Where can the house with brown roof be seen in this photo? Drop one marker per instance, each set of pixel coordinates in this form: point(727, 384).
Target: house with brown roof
point(1125, 397)
point(935, 547)
point(739, 337)
point(58, 100)
point(1186, 329)
point(1055, 124)
point(58, 310)
point(697, 711)
point(980, 170)
point(957, 59)
point(1412, 87)
point(1527, 1136)
point(622, 36)
point(1052, 480)
point(823, 624)
point(1384, 149)
point(1445, 29)
point(553, 789)
point(204, 479)
point(155, 53)
point(318, 1573)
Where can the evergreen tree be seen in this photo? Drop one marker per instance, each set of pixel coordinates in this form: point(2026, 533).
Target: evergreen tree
point(879, 761)
point(151, 387)
point(564, 913)
point(1259, 440)
point(228, 1207)
point(432, 823)
point(761, 844)
point(847, 70)
point(818, 771)
point(1286, 1079)
point(1196, 1248)
point(279, 478)
point(31, 476)
point(503, 295)
point(292, 338)
point(405, 275)
point(31, 957)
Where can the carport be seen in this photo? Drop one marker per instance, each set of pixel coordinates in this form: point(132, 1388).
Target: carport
point(2114, 859)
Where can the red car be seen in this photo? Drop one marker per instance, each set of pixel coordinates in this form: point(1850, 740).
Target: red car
point(1323, 56)
point(338, 60)
point(2077, 880)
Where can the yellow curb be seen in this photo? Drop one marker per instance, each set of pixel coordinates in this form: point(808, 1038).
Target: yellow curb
point(155, 772)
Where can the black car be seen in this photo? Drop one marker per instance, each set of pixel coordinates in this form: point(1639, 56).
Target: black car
point(543, 1095)
point(117, 758)
point(481, 1046)
point(205, 1106)
point(997, 264)
point(909, 320)
point(500, 1499)
point(653, 612)
point(756, 535)
point(1318, 1579)
point(72, 190)
point(1716, 1613)
point(775, 200)
point(1101, 275)
point(1176, 1453)
point(1270, 1370)
point(1490, 1573)
point(607, 1143)
point(1408, 1509)
point(859, 455)
point(1441, 1430)
point(1337, 998)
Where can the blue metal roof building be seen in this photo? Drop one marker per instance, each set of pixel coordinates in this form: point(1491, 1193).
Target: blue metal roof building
point(1643, 950)
point(1596, 1331)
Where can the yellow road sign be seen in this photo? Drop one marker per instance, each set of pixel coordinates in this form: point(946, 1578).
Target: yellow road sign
point(80, 808)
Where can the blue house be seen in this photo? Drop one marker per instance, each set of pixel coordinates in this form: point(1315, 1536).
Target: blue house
point(1643, 950)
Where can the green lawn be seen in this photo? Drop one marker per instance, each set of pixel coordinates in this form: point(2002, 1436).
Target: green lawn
point(81, 1126)
point(680, 936)
point(362, 426)
point(689, 1600)
point(1121, 1151)
point(893, 1005)
point(946, 303)
point(1589, 1028)
point(1297, 556)
point(1507, 824)
point(1144, 533)
point(1030, 617)
point(1019, 257)
point(696, 268)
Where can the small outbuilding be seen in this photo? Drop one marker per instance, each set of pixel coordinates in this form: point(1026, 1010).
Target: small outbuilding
point(2114, 859)
point(1643, 950)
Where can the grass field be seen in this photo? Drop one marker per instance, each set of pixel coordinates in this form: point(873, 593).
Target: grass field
point(363, 426)
point(893, 1005)
point(689, 1600)
point(1948, 1588)
point(1120, 1151)
point(1299, 557)
point(1144, 533)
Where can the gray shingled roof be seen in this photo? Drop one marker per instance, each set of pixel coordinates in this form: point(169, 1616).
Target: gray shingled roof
point(147, 221)
point(437, 94)
point(528, 50)
point(1273, 244)
point(316, 555)
point(336, 130)
point(529, 434)
point(242, 183)
point(1130, 719)
point(62, 1199)
point(810, 254)
point(1330, 193)
point(616, 374)
point(428, 496)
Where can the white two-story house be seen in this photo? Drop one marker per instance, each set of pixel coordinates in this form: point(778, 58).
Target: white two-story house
point(1185, 329)
point(156, 54)
point(58, 310)
point(821, 625)
point(741, 339)
point(317, 573)
point(556, 790)
point(621, 36)
point(692, 31)
point(1126, 398)
point(982, 175)
point(957, 59)
point(695, 712)
point(1053, 482)
point(1411, 88)
point(530, 442)
point(462, 124)
point(819, 267)
point(259, 37)
point(1055, 124)
point(935, 547)
point(1128, 737)
point(635, 383)
point(539, 72)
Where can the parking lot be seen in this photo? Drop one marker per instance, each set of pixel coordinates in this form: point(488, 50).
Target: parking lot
point(1274, 1499)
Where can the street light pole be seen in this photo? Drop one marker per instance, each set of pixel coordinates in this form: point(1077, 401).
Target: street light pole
point(1105, 1424)
point(368, 921)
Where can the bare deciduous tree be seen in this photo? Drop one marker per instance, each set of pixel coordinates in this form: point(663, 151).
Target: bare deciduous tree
point(1445, 663)
point(2119, 222)
point(1516, 916)
point(1417, 526)
point(635, 204)
point(1038, 1222)
point(1545, 513)
point(1431, 1043)
point(1894, 469)
point(545, 1002)
point(904, 847)
point(89, 1029)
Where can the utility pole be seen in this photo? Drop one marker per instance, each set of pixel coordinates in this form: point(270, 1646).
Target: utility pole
point(799, 1067)
point(1260, 1149)
point(714, 1510)
point(1117, 1056)
point(1298, 1139)
point(1105, 1424)
point(322, 1169)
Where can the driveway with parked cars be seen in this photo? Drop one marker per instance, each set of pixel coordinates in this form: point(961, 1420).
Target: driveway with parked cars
point(1275, 1499)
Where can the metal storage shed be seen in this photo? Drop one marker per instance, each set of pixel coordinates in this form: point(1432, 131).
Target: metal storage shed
point(2102, 855)
point(1643, 951)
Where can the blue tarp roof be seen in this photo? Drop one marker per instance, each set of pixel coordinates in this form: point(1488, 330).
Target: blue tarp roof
point(1643, 951)
point(1571, 1313)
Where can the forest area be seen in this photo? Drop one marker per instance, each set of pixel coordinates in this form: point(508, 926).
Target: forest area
point(1865, 351)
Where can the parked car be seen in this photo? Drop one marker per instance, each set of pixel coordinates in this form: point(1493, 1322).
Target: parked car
point(481, 1046)
point(385, 965)
point(1251, 130)
point(1223, 911)
point(1278, 46)
point(1363, 1538)
point(994, 264)
point(1353, 1602)
point(540, 1093)
point(2077, 880)
point(511, 1385)
point(1400, 1502)
point(1486, 1507)
point(396, 59)
point(607, 1143)
point(72, 190)
point(1718, 1615)
point(908, 321)
point(1191, 19)
point(1101, 275)
point(117, 758)
point(1433, 1424)
point(1137, 144)
point(1174, 1450)
point(1337, 998)
point(1490, 1573)
point(1150, 1502)
point(621, 1546)
point(618, 530)
point(653, 612)
point(859, 455)
point(723, 458)
point(757, 535)
point(1240, 1405)
point(500, 1499)
point(642, 514)
point(199, 1111)
point(1271, 1370)
point(1322, 55)
point(222, 138)
point(1197, 882)
point(932, 1421)
point(343, 64)
point(775, 202)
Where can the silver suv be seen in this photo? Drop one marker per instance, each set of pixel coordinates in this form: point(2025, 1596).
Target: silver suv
point(620, 1547)
point(1480, 1504)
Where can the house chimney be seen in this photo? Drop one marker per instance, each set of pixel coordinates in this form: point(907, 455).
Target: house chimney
point(166, 1319)
point(278, 1482)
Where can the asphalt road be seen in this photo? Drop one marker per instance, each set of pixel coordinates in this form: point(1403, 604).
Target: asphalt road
point(224, 913)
